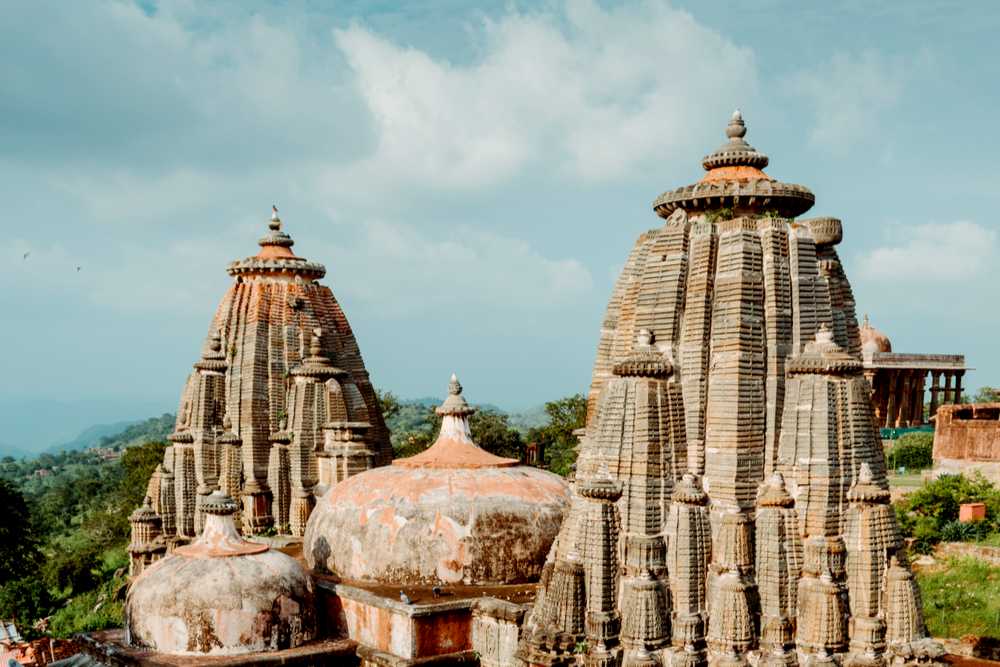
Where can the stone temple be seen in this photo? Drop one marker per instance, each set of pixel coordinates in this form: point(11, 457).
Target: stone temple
point(278, 407)
point(729, 506)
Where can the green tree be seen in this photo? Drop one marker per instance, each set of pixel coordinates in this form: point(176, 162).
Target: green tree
point(25, 600)
point(565, 416)
point(987, 395)
point(19, 549)
point(492, 431)
point(389, 403)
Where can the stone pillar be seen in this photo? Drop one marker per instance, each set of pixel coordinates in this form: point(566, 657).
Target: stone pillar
point(958, 386)
point(890, 409)
point(902, 418)
point(918, 398)
point(948, 379)
point(935, 390)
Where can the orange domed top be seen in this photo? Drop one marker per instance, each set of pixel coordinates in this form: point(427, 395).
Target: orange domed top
point(873, 340)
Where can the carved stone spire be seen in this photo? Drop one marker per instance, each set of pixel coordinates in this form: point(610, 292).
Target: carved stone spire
point(778, 566)
point(689, 548)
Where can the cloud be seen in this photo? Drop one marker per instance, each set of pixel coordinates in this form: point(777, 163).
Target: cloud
point(933, 253)
point(465, 271)
point(850, 96)
point(581, 92)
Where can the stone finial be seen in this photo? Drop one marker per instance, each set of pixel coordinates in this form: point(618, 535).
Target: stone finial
point(219, 503)
point(275, 222)
point(316, 342)
point(736, 129)
point(455, 405)
point(865, 473)
point(774, 493)
point(736, 152)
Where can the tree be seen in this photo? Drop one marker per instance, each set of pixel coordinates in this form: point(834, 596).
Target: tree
point(389, 403)
point(492, 431)
point(987, 395)
point(19, 553)
point(565, 416)
point(25, 601)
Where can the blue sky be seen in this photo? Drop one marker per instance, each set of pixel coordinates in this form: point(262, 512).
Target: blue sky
point(472, 177)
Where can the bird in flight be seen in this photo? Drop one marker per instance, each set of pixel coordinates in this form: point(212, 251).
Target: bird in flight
point(26, 255)
point(78, 269)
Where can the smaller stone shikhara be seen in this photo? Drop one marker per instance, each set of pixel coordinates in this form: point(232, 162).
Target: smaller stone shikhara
point(278, 408)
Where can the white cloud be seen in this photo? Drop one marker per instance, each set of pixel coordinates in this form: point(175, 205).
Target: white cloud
point(933, 253)
point(587, 92)
point(467, 271)
point(850, 95)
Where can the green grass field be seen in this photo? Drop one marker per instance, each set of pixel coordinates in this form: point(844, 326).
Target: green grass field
point(961, 597)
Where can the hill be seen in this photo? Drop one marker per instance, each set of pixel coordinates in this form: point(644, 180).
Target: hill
point(90, 436)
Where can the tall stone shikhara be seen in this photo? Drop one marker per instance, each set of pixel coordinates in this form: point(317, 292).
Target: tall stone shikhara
point(731, 418)
point(278, 408)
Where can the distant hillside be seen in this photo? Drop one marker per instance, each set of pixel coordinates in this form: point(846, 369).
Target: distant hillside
point(148, 430)
point(15, 452)
point(90, 436)
point(535, 417)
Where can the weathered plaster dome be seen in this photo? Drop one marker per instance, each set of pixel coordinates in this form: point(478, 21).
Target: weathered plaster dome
point(873, 340)
point(221, 595)
point(451, 514)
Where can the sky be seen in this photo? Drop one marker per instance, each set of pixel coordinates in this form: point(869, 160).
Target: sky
point(472, 177)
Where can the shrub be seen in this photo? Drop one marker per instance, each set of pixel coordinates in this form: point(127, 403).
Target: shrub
point(930, 514)
point(912, 451)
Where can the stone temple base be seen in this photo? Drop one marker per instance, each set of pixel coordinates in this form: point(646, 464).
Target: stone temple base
point(108, 648)
point(427, 630)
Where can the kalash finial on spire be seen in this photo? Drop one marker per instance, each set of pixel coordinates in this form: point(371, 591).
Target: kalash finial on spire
point(455, 404)
point(275, 237)
point(736, 152)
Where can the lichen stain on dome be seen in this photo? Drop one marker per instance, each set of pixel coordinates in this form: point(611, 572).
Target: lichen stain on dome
point(461, 515)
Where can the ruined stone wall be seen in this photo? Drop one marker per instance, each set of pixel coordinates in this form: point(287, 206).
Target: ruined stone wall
point(966, 438)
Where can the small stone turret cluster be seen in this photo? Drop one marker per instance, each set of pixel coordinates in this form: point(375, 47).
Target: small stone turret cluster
point(731, 505)
point(277, 410)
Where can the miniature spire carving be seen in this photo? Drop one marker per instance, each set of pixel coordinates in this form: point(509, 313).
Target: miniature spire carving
point(778, 566)
point(689, 547)
point(871, 538)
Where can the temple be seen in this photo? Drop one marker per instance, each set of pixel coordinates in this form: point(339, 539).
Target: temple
point(278, 408)
point(899, 380)
point(730, 503)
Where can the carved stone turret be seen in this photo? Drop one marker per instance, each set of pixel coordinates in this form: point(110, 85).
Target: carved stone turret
point(146, 544)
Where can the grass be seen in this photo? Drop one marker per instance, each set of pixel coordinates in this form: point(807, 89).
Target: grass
point(911, 480)
point(961, 597)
